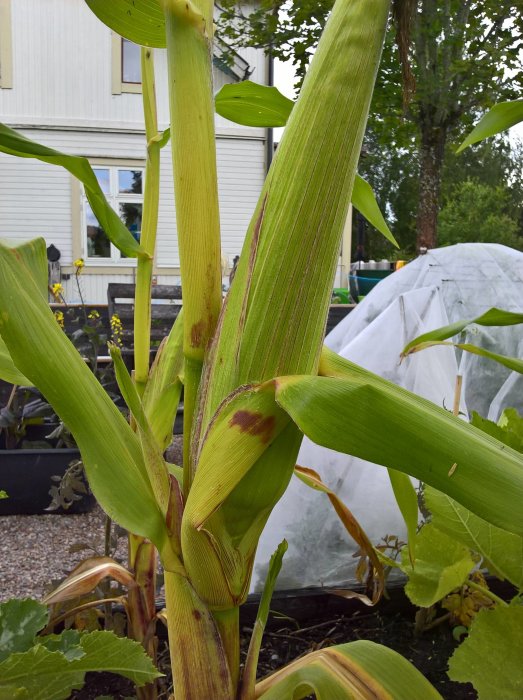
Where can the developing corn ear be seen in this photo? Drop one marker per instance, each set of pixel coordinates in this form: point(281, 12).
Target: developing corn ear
point(274, 317)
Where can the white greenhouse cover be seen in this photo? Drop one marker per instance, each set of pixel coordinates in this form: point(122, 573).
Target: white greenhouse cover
point(443, 286)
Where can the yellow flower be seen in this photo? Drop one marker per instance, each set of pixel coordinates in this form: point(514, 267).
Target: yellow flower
point(57, 289)
point(59, 318)
point(116, 330)
point(93, 315)
point(79, 263)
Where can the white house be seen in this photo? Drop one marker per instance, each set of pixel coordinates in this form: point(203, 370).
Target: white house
point(68, 82)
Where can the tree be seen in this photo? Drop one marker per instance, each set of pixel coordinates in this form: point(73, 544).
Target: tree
point(479, 212)
point(465, 56)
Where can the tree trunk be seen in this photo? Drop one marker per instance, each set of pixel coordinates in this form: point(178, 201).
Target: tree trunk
point(432, 150)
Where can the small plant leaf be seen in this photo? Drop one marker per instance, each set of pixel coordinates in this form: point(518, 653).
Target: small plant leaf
point(502, 551)
point(490, 657)
point(252, 104)
point(49, 675)
point(502, 116)
point(67, 643)
point(442, 564)
point(492, 317)
point(20, 622)
point(356, 670)
point(15, 144)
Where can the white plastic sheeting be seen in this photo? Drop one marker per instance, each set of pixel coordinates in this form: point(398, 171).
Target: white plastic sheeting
point(441, 287)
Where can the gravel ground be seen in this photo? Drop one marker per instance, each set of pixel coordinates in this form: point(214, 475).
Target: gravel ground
point(35, 549)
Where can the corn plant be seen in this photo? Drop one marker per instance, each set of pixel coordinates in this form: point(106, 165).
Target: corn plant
point(255, 375)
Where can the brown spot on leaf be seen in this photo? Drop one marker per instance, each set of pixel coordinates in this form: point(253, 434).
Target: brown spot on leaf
point(197, 334)
point(197, 614)
point(254, 423)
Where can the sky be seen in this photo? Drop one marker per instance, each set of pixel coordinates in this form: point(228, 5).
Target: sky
point(284, 81)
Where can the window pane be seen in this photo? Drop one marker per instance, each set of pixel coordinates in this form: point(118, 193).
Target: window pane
point(131, 72)
point(131, 215)
point(102, 175)
point(130, 181)
point(98, 245)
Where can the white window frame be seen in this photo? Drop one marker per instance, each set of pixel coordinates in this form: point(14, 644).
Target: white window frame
point(6, 49)
point(114, 198)
point(118, 85)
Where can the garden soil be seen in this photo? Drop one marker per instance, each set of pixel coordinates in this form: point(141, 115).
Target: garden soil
point(288, 639)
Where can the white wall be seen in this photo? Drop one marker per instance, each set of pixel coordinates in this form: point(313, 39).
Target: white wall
point(62, 72)
point(61, 97)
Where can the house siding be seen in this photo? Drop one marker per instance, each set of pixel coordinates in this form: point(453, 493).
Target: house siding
point(61, 97)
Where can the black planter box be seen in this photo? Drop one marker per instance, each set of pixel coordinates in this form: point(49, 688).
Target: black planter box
point(25, 475)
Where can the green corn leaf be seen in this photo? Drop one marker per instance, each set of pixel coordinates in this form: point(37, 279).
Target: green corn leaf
point(251, 662)
point(164, 387)
point(513, 363)
point(502, 116)
point(110, 450)
point(15, 144)
point(502, 551)
point(34, 255)
point(490, 657)
point(407, 500)
point(442, 564)
point(364, 200)
point(20, 622)
point(10, 692)
point(353, 671)
point(141, 21)
point(157, 471)
point(8, 371)
point(492, 317)
point(348, 409)
point(252, 104)
point(49, 675)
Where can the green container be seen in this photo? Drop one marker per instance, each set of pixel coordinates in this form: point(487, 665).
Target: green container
point(340, 296)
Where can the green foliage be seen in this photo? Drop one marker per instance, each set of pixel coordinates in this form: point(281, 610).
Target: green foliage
point(502, 551)
point(442, 564)
point(292, 35)
point(251, 104)
point(50, 667)
point(20, 622)
point(482, 214)
point(501, 117)
point(13, 143)
point(490, 657)
point(464, 58)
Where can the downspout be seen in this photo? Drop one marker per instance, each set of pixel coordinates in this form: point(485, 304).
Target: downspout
point(269, 143)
